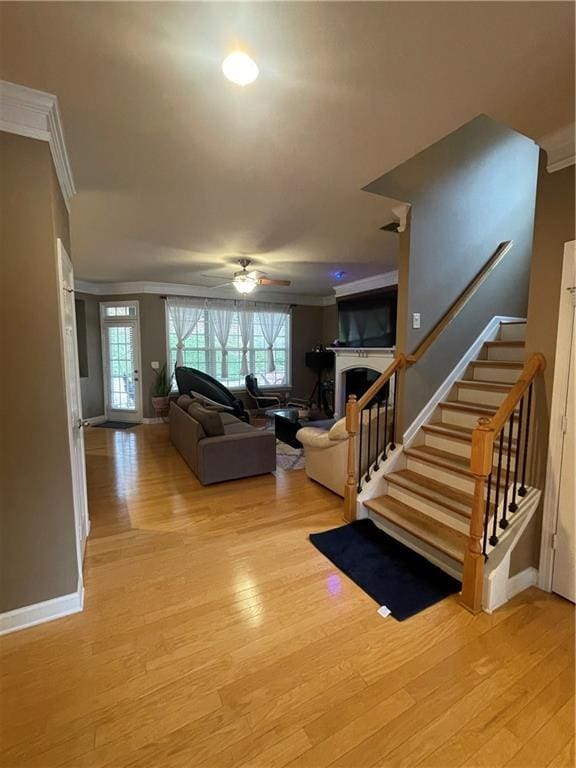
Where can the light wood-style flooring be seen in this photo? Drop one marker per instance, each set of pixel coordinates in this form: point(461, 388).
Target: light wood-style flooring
point(215, 635)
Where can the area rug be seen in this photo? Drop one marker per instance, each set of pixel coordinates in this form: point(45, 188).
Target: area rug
point(392, 574)
point(116, 424)
point(288, 458)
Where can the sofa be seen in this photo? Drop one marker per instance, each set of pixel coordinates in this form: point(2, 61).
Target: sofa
point(242, 451)
point(326, 450)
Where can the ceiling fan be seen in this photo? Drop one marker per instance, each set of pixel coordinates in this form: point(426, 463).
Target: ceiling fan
point(246, 282)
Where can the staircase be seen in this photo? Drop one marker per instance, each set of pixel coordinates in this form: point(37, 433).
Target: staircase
point(429, 498)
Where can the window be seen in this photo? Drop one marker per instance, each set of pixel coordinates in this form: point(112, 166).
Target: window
point(202, 349)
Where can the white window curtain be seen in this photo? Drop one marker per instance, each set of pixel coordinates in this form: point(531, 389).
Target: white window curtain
point(185, 314)
point(222, 316)
point(271, 323)
point(246, 325)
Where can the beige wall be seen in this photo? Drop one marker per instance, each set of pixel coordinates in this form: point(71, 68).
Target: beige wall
point(554, 226)
point(38, 549)
point(92, 386)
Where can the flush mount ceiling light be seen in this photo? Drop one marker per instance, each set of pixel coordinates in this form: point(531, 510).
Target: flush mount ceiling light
point(239, 68)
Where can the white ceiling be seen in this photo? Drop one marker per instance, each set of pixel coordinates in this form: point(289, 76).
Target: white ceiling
point(179, 172)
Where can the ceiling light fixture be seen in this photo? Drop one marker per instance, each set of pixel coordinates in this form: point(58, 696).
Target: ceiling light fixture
point(244, 283)
point(239, 68)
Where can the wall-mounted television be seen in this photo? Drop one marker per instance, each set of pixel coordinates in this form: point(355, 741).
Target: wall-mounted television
point(368, 319)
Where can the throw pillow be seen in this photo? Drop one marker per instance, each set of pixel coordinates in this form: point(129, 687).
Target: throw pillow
point(184, 401)
point(211, 421)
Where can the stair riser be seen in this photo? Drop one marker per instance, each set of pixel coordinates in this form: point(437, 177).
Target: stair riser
point(429, 508)
point(512, 332)
point(512, 354)
point(480, 396)
point(489, 373)
point(458, 447)
point(461, 482)
point(464, 419)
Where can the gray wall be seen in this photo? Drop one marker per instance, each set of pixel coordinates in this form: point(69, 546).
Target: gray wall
point(37, 543)
point(310, 326)
point(470, 191)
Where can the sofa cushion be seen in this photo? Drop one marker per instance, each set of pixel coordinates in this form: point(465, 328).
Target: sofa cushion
point(238, 428)
point(228, 418)
point(210, 421)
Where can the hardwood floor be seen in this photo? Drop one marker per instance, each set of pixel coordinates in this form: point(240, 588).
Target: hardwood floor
point(215, 635)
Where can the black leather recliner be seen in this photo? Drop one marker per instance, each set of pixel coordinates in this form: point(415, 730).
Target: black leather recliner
point(191, 381)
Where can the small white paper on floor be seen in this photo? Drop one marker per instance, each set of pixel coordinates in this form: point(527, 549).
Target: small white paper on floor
point(383, 611)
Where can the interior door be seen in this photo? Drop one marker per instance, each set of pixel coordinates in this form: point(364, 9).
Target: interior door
point(73, 398)
point(121, 361)
point(564, 569)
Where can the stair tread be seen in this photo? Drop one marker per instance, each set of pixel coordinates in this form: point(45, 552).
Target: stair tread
point(505, 343)
point(464, 405)
point(433, 490)
point(459, 464)
point(458, 430)
point(492, 386)
point(440, 536)
point(498, 363)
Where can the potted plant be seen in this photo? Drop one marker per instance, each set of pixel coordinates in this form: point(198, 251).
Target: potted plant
point(161, 391)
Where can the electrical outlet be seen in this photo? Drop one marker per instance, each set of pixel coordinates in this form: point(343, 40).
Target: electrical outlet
point(416, 320)
point(155, 365)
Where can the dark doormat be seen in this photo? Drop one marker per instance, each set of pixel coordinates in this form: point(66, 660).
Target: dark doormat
point(393, 575)
point(116, 424)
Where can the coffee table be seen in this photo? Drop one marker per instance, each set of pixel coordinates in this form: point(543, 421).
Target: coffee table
point(287, 422)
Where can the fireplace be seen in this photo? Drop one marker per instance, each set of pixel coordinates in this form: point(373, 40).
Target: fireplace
point(364, 366)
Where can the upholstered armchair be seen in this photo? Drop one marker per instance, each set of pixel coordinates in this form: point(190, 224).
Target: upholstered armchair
point(326, 450)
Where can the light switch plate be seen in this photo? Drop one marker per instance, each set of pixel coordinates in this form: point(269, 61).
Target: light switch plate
point(155, 365)
point(416, 320)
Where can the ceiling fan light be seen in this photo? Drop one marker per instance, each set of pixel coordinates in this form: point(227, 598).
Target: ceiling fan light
point(239, 68)
point(244, 284)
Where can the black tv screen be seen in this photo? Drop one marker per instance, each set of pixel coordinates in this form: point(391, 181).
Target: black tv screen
point(368, 320)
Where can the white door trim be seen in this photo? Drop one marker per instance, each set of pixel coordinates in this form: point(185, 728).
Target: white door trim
point(78, 471)
point(105, 322)
point(556, 435)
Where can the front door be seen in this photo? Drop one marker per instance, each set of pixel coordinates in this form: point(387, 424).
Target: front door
point(73, 398)
point(120, 324)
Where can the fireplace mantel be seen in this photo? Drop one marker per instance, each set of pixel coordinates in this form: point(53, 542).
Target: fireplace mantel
point(376, 358)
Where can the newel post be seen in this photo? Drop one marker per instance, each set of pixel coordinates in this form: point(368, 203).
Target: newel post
point(350, 487)
point(481, 467)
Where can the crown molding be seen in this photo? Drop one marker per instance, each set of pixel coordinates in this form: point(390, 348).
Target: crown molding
point(36, 115)
point(198, 291)
point(559, 148)
point(367, 284)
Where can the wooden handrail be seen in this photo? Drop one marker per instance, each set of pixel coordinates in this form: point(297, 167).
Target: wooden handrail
point(535, 364)
point(399, 362)
point(462, 300)
point(481, 466)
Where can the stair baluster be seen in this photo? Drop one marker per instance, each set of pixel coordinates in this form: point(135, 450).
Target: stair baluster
point(522, 489)
point(513, 506)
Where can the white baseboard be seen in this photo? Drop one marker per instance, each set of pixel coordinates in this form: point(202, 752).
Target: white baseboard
point(488, 334)
point(521, 581)
point(156, 420)
point(31, 615)
point(93, 420)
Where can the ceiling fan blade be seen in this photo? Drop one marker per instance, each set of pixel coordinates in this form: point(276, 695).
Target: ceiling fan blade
point(270, 281)
point(221, 285)
point(213, 277)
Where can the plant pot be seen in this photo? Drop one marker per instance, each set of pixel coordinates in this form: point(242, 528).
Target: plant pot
point(161, 405)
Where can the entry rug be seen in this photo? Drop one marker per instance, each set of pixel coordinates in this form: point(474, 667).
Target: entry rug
point(116, 424)
point(391, 573)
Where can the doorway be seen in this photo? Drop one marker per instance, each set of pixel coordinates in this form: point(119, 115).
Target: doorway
point(120, 326)
point(558, 555)
point(73, 400)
